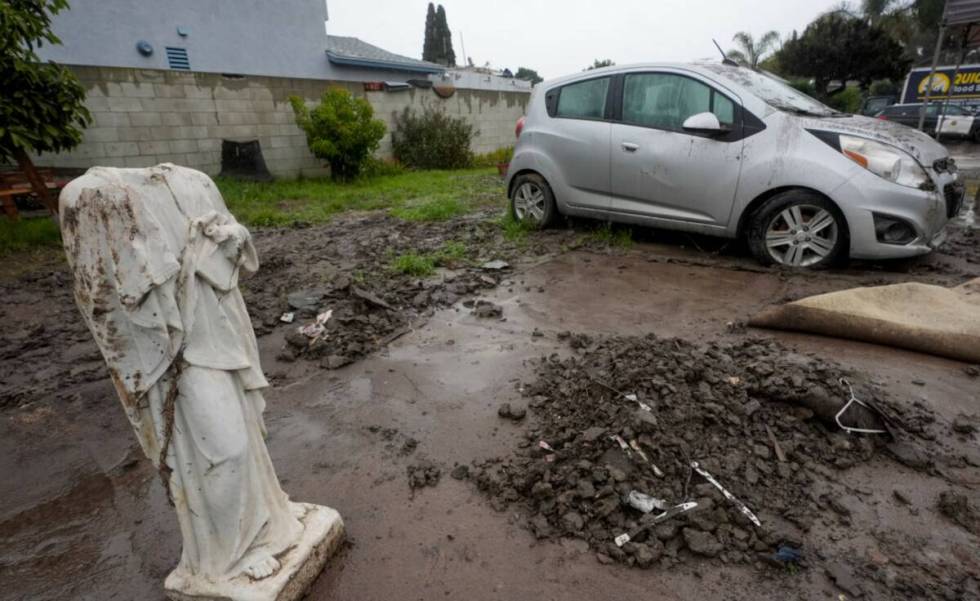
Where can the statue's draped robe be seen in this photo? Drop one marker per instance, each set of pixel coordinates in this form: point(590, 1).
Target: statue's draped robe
point(156, 257)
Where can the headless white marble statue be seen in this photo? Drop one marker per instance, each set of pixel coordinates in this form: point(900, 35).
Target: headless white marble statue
point(156, 258)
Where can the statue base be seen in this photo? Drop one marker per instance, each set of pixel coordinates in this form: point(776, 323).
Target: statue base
point(323, 533)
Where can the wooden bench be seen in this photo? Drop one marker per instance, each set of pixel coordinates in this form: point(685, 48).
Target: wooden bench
point(15, 183)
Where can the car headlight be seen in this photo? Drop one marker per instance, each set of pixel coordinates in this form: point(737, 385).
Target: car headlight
point(885, 161)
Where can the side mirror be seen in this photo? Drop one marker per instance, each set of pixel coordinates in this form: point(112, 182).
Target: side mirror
point(704, 123)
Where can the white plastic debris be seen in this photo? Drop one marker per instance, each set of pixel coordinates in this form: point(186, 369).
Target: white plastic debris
point(316, 330)
point(495, 265)
point(644, 502)
point(740, 505)
point(287, 317)
point(632, 397)
point(545, 446)
point(676, 510)
point(622, 443)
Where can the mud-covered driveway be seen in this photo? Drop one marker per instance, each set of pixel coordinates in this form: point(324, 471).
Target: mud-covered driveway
point(83, 516)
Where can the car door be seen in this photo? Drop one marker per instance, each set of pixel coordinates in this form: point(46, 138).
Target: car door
point(577, 141)
point(955, 121)
point(660, 170)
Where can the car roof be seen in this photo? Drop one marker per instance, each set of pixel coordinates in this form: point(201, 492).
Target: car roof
point(702, 67)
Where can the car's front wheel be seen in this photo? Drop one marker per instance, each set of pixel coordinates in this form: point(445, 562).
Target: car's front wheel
point(532, 201)
point(798, 228)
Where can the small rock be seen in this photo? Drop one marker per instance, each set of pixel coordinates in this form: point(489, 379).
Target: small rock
point(460, 472)
point(572, 521)
point(702, 543)
point(487, 310)
point(844, 578)
point(962, 425)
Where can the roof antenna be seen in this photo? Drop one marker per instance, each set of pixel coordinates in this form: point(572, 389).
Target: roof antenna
point(724, 57)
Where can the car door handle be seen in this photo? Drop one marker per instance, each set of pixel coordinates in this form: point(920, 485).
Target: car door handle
point(630, 147)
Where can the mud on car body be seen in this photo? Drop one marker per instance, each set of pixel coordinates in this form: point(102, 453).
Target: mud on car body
point(727, 151)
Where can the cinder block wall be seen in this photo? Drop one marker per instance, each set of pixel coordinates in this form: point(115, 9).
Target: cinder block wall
point(145, 117)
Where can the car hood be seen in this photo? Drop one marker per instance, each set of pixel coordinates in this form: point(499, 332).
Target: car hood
point(919, 145)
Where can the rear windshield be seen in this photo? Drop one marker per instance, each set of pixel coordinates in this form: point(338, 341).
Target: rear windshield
point(774, 92)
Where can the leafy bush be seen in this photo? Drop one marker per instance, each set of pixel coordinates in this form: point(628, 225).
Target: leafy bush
point(884, 87)
point(847, 100)
point(375, 167)
point(431, 139)
point(341, 130)
point(491, 159)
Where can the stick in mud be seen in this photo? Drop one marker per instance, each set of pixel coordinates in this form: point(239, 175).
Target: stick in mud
point(741, 506)
point(676, 510)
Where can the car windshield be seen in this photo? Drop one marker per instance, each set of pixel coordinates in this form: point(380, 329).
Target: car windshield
point(776, 93)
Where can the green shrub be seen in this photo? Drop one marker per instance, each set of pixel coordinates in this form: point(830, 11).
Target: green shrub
point(375, 167)
point(431, 139)
point(847, 101)
point(341, 130)
point(491, 159)
point(884, 87)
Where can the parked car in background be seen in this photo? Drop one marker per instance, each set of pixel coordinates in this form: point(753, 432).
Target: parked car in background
point(728, 151)
point(956, 120)
point(872, 105)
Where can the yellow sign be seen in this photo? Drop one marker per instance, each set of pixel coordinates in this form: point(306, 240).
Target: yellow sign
point(940, 83)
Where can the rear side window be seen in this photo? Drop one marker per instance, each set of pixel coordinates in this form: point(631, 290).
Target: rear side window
point(583, 100)
point(666, 100)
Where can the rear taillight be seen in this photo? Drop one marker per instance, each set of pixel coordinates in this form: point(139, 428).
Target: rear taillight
point(883, 117)
point(519, 127)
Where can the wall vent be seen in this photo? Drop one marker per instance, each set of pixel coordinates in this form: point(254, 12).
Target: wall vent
point(177, 57)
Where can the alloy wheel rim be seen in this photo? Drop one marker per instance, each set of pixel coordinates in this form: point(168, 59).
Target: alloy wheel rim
point(801, 235)
point(529, 202)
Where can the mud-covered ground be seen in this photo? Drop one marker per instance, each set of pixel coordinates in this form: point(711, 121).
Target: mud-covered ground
point(393, 414)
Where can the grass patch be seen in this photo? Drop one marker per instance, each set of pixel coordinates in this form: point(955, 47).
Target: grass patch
point(18, 236)
point(607, 235)
point(414, 264)
point(514, 230)
point(415, 195)
point(450, 254)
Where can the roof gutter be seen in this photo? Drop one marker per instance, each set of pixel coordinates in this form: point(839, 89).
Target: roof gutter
point(339, 59)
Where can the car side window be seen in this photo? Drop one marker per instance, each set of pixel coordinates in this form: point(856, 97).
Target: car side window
point(584, 100)
point(666, 100)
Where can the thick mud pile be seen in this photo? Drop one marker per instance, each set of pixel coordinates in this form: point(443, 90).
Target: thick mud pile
point(629, 415)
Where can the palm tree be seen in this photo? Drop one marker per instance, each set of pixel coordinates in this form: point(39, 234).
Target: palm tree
point(750, 52)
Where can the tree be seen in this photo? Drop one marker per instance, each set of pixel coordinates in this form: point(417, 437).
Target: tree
point(443, 53)
point(529, 75)
point(836, 47)
point(341, 130)
point(42, 109)
point(429, 44)
point(750, 52)
point(598, 64)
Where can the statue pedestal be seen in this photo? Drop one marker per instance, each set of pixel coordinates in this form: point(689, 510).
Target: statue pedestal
point(323, 531)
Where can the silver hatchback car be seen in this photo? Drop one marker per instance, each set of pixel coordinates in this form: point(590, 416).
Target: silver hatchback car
point(727, 151)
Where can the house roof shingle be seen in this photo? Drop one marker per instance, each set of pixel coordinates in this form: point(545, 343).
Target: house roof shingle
point(342, 50)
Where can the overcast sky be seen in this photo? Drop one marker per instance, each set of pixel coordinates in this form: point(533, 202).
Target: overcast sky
point(557, 37)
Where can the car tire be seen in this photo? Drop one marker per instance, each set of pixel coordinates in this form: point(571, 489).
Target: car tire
point(798, 229)
point(975, 135)
point(532, 202)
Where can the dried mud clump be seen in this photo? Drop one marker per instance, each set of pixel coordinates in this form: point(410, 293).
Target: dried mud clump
point(632, 414)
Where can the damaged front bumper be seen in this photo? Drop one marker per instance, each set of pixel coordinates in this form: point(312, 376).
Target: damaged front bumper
point(888, 221)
